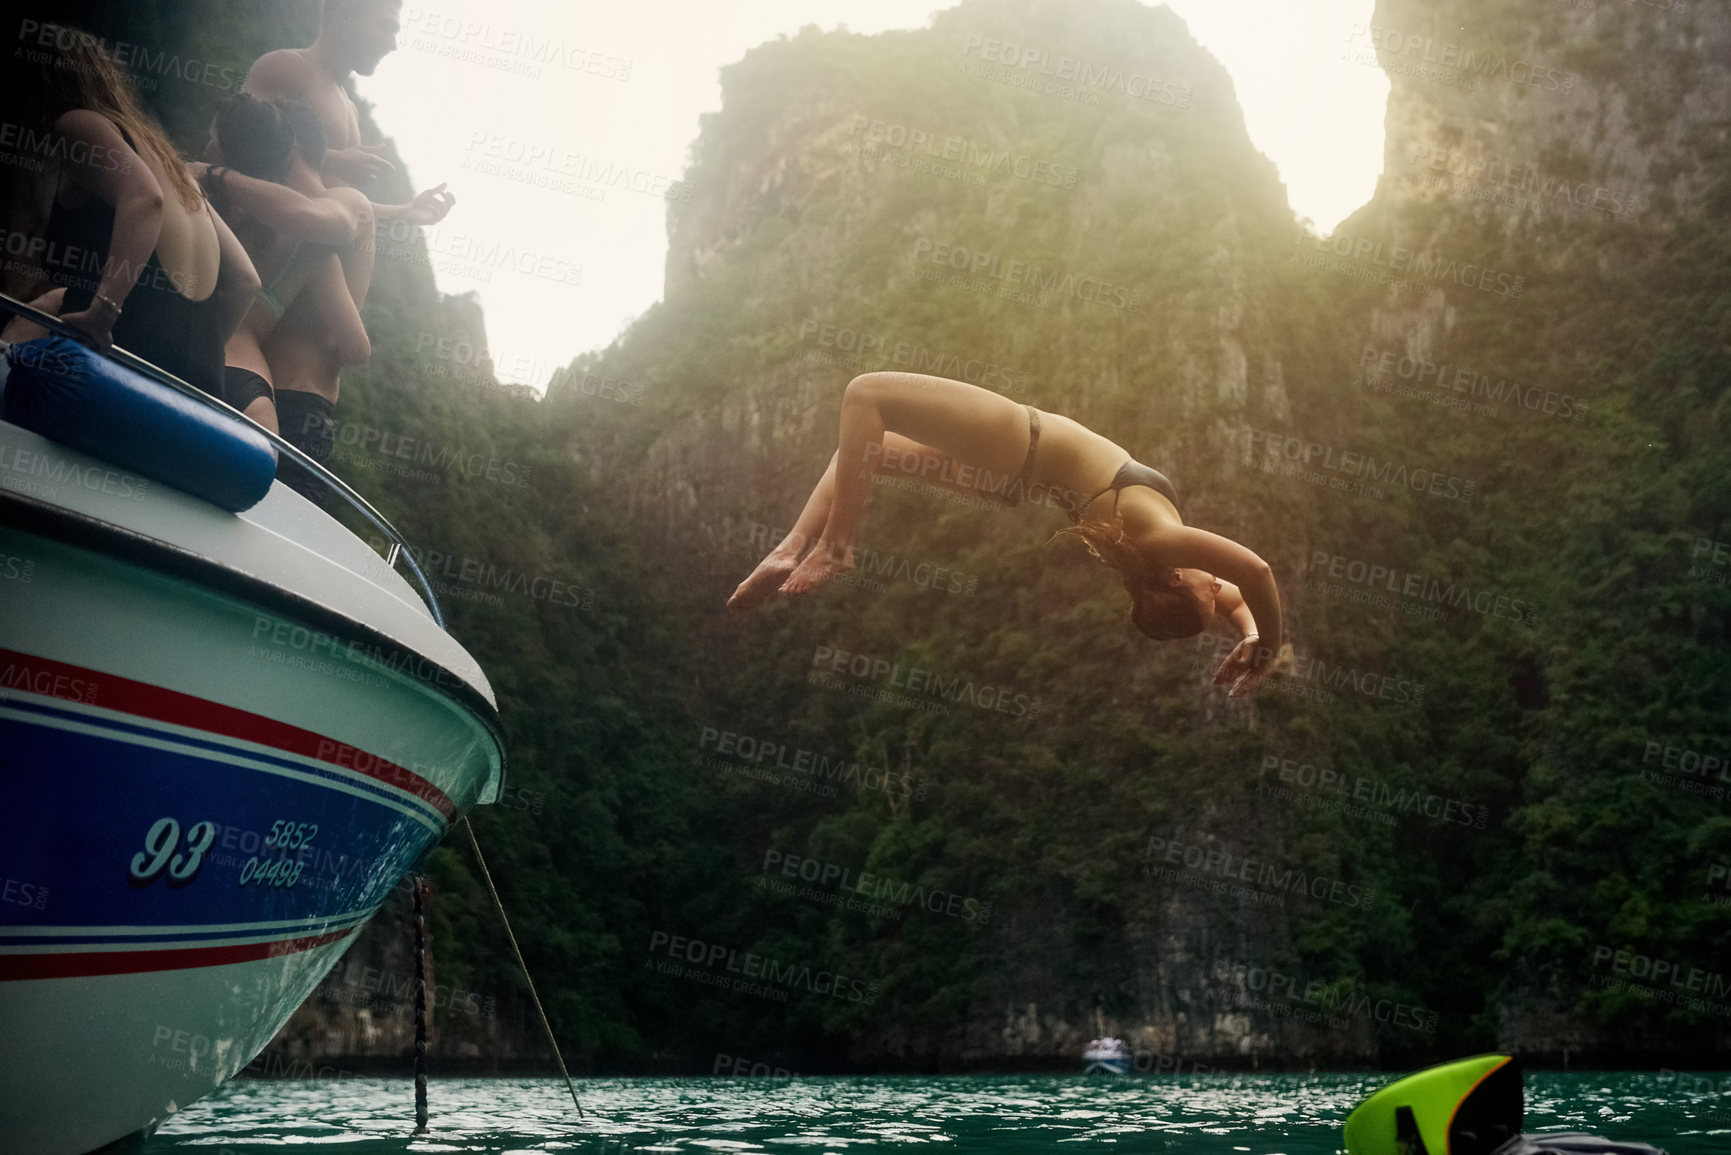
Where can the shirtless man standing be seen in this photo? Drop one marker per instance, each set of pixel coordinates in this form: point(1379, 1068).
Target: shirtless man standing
point(354, 35)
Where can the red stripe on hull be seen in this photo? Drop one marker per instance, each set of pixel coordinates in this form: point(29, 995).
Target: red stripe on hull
point(19, 967)
point(112, 692)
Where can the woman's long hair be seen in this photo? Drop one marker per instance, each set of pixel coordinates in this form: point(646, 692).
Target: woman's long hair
point(1163, 612)
point(74, 70)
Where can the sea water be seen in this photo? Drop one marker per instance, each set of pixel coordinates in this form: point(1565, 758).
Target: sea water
point(1269, 1114)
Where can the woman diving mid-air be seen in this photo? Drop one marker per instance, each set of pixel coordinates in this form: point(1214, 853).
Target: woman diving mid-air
point(975, 441)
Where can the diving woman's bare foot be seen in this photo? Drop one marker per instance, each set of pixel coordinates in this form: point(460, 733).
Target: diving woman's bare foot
point(770, 573)
point(822, 563)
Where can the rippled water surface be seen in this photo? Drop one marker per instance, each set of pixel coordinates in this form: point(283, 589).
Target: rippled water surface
point(1261, 1114)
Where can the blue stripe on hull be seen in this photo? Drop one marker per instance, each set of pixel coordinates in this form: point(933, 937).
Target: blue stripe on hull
point(79, 811)
point(226, 747)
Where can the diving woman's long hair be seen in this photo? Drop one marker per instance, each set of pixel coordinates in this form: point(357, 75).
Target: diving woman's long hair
point(1163, 612)
point(73, 69)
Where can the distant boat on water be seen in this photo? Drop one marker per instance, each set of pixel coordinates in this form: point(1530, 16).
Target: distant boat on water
point(1107, 1056)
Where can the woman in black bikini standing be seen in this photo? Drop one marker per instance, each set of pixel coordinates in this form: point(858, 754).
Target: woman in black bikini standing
point(975, 441)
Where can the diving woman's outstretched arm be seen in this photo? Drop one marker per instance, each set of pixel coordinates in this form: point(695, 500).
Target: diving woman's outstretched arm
point(1229, 607)
point(1186, 546)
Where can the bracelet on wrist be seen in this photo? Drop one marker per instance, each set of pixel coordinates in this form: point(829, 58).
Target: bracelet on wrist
point(113, 305)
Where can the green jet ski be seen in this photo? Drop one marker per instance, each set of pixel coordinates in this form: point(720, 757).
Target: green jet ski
point(1467, 1107)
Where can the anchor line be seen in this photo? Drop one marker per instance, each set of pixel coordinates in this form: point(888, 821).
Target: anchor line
point(500, 907)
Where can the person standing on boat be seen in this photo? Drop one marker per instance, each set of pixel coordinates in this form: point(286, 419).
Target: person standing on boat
point(974, 441)
point(266, 185)
point(144, 261)
point(354, 35)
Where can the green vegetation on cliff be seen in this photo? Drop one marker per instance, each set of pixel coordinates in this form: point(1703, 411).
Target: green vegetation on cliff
point(1527, 719)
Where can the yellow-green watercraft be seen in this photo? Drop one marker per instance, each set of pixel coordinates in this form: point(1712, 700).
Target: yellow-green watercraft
point(1467, 1107)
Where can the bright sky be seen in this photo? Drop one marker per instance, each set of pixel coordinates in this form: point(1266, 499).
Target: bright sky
point(456, 98)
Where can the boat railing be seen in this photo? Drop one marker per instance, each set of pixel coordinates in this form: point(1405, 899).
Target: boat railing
point(398, 546)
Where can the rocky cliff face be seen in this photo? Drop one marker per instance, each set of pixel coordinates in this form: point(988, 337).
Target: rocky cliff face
point(846, 221)
point(1582, 144)
point(1536, 127)
point(879, 203)
point(1079, 174)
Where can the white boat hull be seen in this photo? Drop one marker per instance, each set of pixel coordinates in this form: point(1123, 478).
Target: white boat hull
point(223, 742)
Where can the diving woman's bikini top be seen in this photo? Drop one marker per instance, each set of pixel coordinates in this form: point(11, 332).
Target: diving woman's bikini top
point(1133, 472)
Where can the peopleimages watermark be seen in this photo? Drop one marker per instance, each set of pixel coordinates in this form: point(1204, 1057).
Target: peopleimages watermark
point(881, 895)
point(521, 798)
point(1432, 593)
point(1721, 873)
point(1210, 865)
point(1338, 790)
point(503, 47)
point(1716, 1087)
point(1323, 1002)
point(874, 348)
point(382, 990)
point(358, 443)
point(50, 683)
point(766, 754)
point(1449, 63)
point(1687, 769)
point(476, 579)
point(470, 255)
point(956, 476)
point(1501, 182)
point(15, 568)
point(179, 1049)
point(1381, 367)
point(476, 363)
point(85, 268)
point(32, 148)
point(1352, 469)
point(1662, 980)
point(1677, 6)
point(738, 1066)
point(43, 43)
point(993, 268)
point(42, 474)
point(276, 1065)
point(930, 686)
point(974, 157)
point(1088, 77)
point(294, 646)
point(1718, 557)
point(1322, 675)
point(870, 564)
point(17, 892)
point(738, 968)
point(1432, 266)
point(549, 165)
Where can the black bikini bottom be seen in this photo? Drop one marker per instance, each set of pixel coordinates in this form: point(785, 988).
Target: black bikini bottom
point(241, 387)
point(308, 423)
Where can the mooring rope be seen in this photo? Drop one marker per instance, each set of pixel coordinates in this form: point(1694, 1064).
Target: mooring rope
point(500, 907)
point(421, 892)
